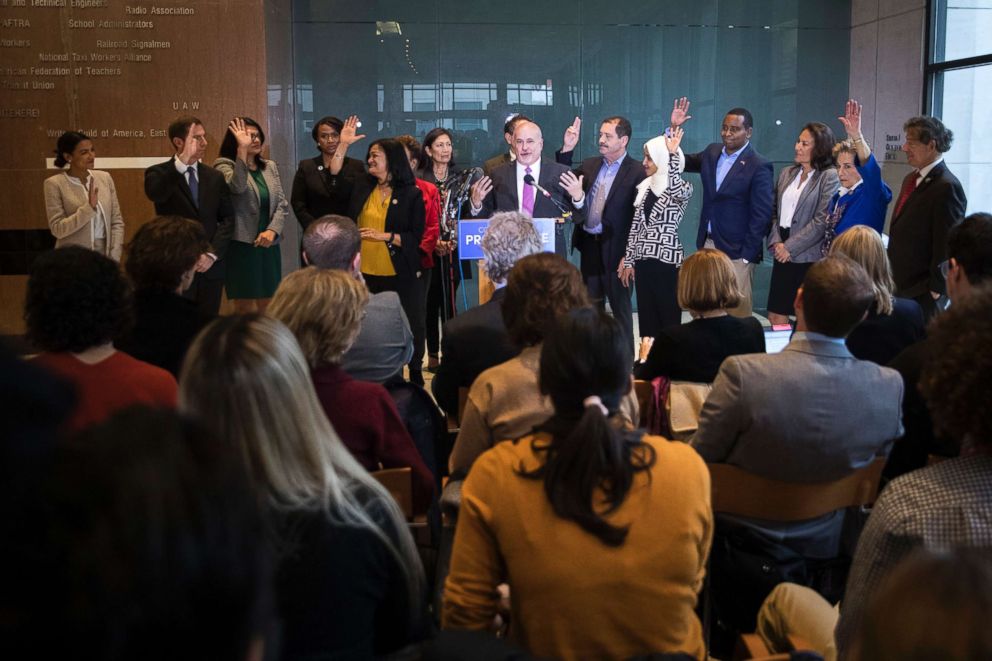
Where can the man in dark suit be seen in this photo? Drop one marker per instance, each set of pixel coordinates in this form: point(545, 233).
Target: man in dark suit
point(610, 182)
point(477, 339)
point(507, 189)
point(183, 186)
point(930, 203)
point(737, 195)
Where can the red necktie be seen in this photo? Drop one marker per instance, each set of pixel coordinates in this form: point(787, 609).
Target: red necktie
point(908, 186)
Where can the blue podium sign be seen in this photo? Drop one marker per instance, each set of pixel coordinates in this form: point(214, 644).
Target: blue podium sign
point(470, 236)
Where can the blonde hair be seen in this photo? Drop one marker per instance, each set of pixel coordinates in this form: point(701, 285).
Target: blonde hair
point(864, 245)
point(324, 309)
point(845, 147)
point(246, 380)
point(707, 282)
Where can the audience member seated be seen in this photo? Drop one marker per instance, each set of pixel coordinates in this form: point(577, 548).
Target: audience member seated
point(812, 413)
point(152, 547)
point(161, 262)
point(969, 247)
point(348, 583)
point(77, 303)
point(892, 323)
point(384, 343)
point(504, 401)
point(934, 605)
point(477, 339)
point(707, 288)
point(324, 310)
point(601, 534)
point(949, 504)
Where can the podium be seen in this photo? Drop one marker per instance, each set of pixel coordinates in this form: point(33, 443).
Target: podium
point(470, 246)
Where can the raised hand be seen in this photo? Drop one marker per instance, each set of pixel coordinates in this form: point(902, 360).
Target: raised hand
point(190, 147)
point(852, 118)
point(673, 138)
point(349, 131)
point(572, 184)
point(571, 138)
point(479, 190)
point(680, 112)
point(93, 192)
point(240, 133)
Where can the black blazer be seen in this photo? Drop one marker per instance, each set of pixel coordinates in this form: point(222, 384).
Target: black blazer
point(695, 351)
point(405, 217)
point(918, 234)
point(316, 192)
point(618, 212)
point(472, 342)
point(881, 337)
point(503, 196)
point(165, 325)
point(170, 193)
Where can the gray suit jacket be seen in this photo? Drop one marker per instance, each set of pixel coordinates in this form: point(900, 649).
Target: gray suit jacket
point(809, 223)
point(384, 343)
point(244, 198)
point(811, 413)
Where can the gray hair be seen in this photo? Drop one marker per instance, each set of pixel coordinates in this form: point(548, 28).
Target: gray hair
point(331, 242)
point(510, 236)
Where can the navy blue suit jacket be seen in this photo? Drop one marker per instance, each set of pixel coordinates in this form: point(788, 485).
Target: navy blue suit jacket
point(740, 211)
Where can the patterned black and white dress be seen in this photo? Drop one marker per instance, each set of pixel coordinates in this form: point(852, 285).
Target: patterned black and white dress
point(655, 252)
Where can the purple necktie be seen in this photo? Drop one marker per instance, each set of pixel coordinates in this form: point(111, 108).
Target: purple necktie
point(528, 202)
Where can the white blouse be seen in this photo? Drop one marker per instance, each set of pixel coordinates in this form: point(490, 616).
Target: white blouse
point(790, 198)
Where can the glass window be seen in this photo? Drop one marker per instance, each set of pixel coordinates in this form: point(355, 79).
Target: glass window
point(965, 95)
point(961, 29)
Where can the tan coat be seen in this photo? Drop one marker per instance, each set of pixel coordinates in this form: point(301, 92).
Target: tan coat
point(70, 217)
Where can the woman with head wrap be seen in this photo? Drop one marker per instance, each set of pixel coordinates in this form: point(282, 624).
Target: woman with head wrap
point(654, 250)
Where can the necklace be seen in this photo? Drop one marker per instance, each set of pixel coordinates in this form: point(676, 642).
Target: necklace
point(442, 168)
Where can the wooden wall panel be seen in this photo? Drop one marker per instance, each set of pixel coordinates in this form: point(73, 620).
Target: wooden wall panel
point(121, 72)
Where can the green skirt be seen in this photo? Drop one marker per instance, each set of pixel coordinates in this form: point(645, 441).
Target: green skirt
point(252, 272)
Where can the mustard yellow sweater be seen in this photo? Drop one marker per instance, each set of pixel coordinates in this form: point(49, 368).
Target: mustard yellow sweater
point(572, 596)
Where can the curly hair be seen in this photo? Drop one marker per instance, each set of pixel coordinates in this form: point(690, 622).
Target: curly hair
point(541, 288)
point(324, 310)
point(163, 250)
point(76, 299)
point(955, 382)
point(509, 236)
point(930, 129)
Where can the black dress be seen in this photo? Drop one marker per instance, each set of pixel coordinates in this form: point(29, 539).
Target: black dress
point(695, 351)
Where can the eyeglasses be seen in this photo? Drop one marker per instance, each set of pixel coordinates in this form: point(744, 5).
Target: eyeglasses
point(945, 268)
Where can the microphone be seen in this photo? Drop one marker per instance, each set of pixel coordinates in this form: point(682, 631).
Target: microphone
point(529, 179)
point(469, 177)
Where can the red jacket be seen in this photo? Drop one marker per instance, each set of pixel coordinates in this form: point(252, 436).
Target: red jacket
point(432, 229)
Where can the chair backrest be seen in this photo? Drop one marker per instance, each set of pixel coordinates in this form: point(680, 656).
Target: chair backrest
point(740, 493)
point(642, 389)
point(399, 484)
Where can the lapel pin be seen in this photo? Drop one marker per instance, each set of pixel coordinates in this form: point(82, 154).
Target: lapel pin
point(395, 201)
point(319, 168)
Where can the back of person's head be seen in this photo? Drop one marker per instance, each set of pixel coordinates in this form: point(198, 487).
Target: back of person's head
point(164, 251)
point(541, 288)
point(970, 244)
point(864, 245)
point(585, 371)
point(324, 309)
point(934, 605)
point(76, 299)
point(707, 282)
point(413, 149)
point(246, 378)
point(331, 242)
point(836, 294)
point(955, 381)
point(509, 237)
point(929, 129)
point(154, 548)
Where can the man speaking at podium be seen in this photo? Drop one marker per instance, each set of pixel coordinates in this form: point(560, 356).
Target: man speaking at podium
point(531, 185)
